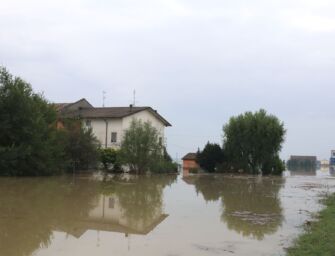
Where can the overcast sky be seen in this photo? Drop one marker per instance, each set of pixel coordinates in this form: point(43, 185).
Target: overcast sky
point(196, 62)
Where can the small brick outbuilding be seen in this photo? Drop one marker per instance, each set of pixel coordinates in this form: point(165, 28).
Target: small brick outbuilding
point(189, 161)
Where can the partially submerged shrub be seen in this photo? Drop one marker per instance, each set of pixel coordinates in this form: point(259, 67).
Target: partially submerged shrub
point(193, 170)
point(110, 159)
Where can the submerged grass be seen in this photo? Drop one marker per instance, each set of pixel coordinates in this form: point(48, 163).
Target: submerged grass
point(319, 238)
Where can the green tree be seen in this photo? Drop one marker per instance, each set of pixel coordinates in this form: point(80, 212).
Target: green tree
point(140, 148)
point(252, 142)
point(30, 143)
point(210, 157)
point(28, 137)
point(80, 146)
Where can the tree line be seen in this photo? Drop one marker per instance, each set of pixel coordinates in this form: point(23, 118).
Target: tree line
point(32, 144)
point(251, 144)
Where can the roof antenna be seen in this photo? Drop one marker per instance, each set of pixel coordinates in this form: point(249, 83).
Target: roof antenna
point(103, 98)
point(134, 97)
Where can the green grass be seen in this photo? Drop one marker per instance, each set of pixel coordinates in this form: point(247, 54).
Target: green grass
point(319, 239)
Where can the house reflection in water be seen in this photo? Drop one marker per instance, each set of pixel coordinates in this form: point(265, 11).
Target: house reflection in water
point(126, 206)
point(33, 209)
point(108, 215)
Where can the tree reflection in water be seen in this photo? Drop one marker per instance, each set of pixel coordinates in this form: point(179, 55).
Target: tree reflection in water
point(250, 205)
point(137, 201)
point(31, 209)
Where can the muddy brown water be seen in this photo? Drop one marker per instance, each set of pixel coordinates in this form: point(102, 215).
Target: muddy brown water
point(157, 215)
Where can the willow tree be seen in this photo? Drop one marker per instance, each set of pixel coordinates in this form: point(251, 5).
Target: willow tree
point(252, 142)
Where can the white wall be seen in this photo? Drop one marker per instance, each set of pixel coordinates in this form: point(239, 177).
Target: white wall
point(99, 129)
point(145, 116)
point(119, 125)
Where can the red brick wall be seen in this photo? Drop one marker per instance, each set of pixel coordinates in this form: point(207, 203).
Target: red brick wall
point(188, 164)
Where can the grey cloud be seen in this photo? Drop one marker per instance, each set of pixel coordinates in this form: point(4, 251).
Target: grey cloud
point(197, 62)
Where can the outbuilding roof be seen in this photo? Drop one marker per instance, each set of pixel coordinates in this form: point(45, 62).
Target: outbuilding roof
point(303, 158)
point(190, 156)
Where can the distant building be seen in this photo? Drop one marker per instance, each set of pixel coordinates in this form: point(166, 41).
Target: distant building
point(332, 158)
point(109, 123)
point(299, 163)
point(303, 158)
point(189, 162)
point(324, 163)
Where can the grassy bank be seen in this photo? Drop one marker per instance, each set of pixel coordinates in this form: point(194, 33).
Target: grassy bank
point(319, 238)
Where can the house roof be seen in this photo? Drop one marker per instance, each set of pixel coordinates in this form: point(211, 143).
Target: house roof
point(60, 106)
point(112, 112)
point(190, 156)
point(311, 158)
point(64, 106)
point(67, 111)
point(79, 227)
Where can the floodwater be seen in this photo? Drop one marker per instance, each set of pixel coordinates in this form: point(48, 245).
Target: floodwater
point(156, 215)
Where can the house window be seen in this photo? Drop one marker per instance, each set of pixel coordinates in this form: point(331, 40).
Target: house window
point(114, 137)
point(88, 124)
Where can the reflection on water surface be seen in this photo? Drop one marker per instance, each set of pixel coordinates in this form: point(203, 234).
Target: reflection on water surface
point(155, 215)
point(250, 205)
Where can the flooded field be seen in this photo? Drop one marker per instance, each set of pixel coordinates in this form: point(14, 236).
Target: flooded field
point(157, 215)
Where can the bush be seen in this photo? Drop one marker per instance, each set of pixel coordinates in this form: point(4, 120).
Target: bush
point(110, 159)
point(275, 166)
point(194, 170)
point(164, 166)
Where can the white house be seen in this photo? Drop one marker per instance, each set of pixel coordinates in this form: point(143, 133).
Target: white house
point(109, 123)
